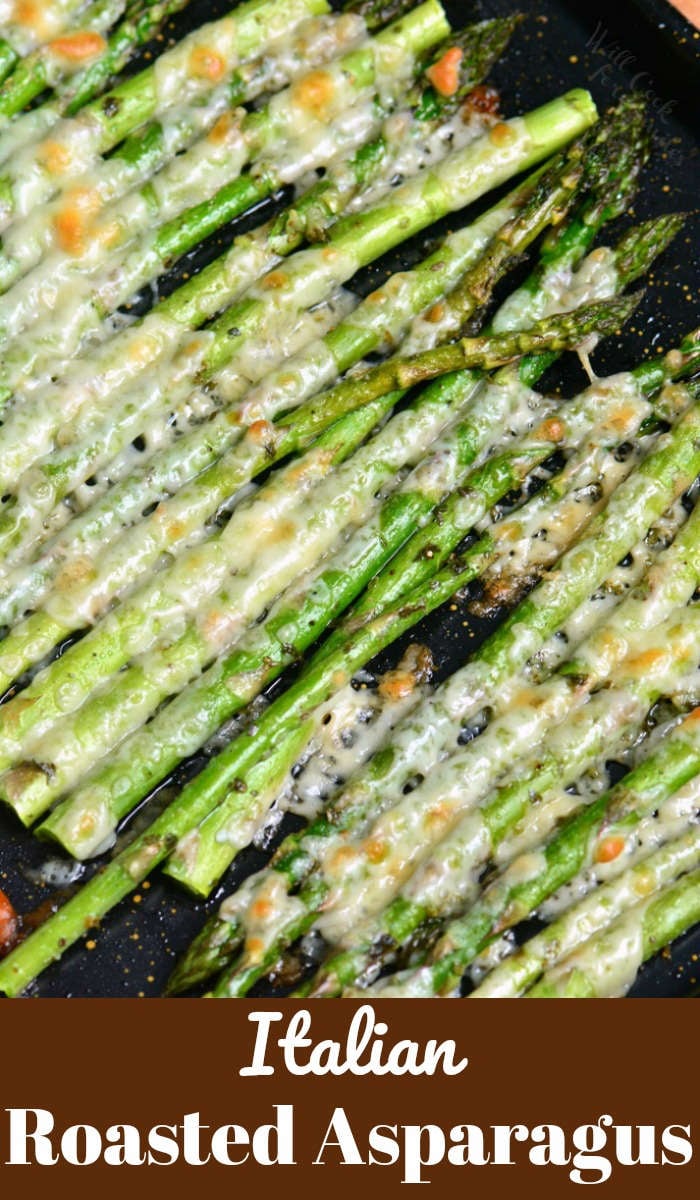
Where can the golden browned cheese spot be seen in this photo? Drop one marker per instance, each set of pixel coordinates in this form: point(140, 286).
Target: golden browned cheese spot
point(644, 883)
point(621, 418)
point(174, 530)
point(444, 74)
point(322, 460)
point(552, 430)
point(646, 661)
point(375, 850)
point(508, 531)
point(510, 916)
point(205, 63)
point(75, 573)
point(78, 47)
point(261, 909)
point(342, 857)
point(31, 14)
point(314, 93)
point(141, 351)
point(74, 222)
point(609, 849)
point(438, 816)
point(481, 99)
point(214, 624)
point(436, 313)
point(260, 431)
point(55, 156)
point(396, 685)
point(86, 824)
point(501, 134)
point(275, 280)
point(417, 659)
point(497, 593)
point(254, 948)
point(221, 128)
point(526, 697)
point(283, 531)
point(611, 642)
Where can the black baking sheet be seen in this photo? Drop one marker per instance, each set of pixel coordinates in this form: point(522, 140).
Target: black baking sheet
point(608, 49)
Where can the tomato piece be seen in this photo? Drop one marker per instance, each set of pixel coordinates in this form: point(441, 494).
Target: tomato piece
point(9, 924)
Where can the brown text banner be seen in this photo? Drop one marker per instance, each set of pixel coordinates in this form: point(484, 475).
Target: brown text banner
point(104, 1096)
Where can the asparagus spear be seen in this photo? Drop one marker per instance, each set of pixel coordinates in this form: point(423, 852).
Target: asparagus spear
point(581, 838)
point(192, 507)
point(227, 476)
point(155, 747)
point(312, 525)
point(106, 121)
point(477, 490)
point(136, 621)
point(404, 294)
point(297, 618)
point(672, 651)
point(374, 867)
point(595, 729)
point(133, 864)
point(356, 240)
point(590, 916)
point(401, 374)
point(22, 31)
point(119, 788)
point(500, 657)
point(607, 964)
point(46, 354)
point(147, 146)
point(292, 624)
point(190, 808)
point(292, 859)
point(78, 65)
point(316, 101)
point(52, 479)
